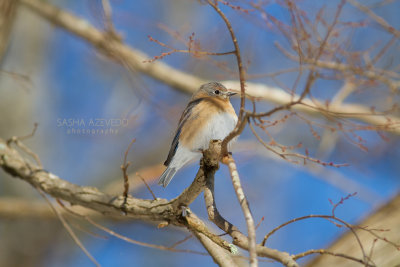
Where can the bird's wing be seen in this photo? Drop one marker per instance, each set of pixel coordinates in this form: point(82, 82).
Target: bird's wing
point(185, 117)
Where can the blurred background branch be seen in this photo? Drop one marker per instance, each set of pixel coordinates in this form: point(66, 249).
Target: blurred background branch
point(20, 209)
point(8, 10)
point(133, 59)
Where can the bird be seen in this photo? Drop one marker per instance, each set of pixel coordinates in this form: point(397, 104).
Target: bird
point(209, 115)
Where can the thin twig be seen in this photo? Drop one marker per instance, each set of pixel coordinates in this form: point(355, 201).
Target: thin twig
point(259, 223)
point(148, 187)
point(298, 155)
point(68, 228)
point(326, 252)
point(129, 240)
point(17, 141)
point(329, 218)
point(237, 54)
point(242, 76)
point(181, 241)
point(124, 168)
point(80, 228)
point(188, 51)
point(35, 126)
point(378, 19)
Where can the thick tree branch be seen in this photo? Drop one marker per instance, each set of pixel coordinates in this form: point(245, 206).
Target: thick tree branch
point(133, 59)
point(13, 163)
point(173, 212)
point(156, 210)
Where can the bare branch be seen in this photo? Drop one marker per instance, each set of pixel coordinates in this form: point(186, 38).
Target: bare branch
point(181, 241)
point(169, 212)
point(68, 228)
point(143, 244)
point(246, 210)
point(374, 74)
point(236, 131)
point(17, 208)
point(185, 82)
point(383, 221)
point(156, 210)
point(237, 54)
point(326, 252)
point(149, 174)
point(239, 238)
point(220, 256)
point(8, 10)
point(147, 186)
point(18, 143)
point(381, 21)
point(124, 168)
point(173, 50)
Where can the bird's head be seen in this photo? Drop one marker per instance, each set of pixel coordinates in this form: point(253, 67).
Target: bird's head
point(214, 89)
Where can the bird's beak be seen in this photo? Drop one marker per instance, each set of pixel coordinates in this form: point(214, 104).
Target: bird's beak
point(230, 93)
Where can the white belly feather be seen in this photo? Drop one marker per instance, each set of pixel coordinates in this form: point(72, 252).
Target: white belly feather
point(216, 128)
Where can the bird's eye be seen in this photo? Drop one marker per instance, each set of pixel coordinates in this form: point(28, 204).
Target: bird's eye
point(216, 92)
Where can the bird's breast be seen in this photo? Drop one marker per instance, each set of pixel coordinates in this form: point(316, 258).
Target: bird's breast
point(210, 119)
point(217, 126)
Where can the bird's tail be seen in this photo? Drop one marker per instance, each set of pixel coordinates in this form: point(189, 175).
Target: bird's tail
point(167, 176)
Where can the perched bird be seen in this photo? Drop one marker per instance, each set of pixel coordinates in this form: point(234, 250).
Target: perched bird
point(208, 116)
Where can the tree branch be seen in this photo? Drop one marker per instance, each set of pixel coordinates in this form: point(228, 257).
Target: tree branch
point(220, 256)
point(172, 212)
point(20, 209)
point(69, 229)
point(245, 208)
point(239, 238)
point(155, 210)
point(8, 10)
point(133, 59)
